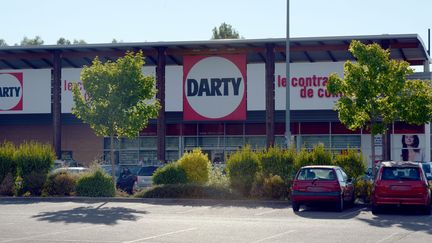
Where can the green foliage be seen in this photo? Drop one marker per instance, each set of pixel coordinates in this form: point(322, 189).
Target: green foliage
point(242, 167)
point(34, 161)
point(7, 160)
point(61, 184)
point(318, 156)
point(376, 92)
point(196, 165)
point(363, 189)
point(95, 184)
point(3, 43)
point(7, 185)
point(170, 174)
point(351, 162)
point(278, 161)
point(218, 178)
point(225, 31)
point(269, 186)
point(119, 98)
point(37, 41)
point(188, 191)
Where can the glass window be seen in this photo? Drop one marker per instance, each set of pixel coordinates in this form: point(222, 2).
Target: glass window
point(208, 141)
point(316, 174)
point(148, 142)
point(172, 142)
point(148, 157)
point(233, 141)
point(190, 141)
point(107, 143)
point(172, 155)
point(256, 141)
point(399, 173)
point(129, 143)
point(346, 141)
point(309, 141)
point(128, 157)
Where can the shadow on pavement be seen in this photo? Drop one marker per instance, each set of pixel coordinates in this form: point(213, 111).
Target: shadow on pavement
point(408, 218)
point(91, 214)
point(215, 203)
point(327, 211)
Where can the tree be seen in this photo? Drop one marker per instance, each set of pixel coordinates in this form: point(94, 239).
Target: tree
point(225, 31)
point(119, 99)
point(3, 43)
point(37, 41)
point(375, 92)
point(63, 41)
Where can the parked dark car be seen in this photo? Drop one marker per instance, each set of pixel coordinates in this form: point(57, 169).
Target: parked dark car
point(145, 176)
point(126, 181)
point(401, 183)
point(319, 183)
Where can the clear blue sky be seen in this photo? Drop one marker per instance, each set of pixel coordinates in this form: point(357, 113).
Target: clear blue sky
point(99, 21)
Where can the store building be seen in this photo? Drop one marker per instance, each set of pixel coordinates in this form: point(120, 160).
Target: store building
point(218, 95)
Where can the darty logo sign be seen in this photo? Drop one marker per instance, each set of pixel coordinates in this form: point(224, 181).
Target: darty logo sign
point(11, 92)
point(214, 87)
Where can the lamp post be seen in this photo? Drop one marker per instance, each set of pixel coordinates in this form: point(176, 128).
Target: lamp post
point(287, 87)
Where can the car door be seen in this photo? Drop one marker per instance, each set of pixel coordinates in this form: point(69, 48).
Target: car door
point(346, 185)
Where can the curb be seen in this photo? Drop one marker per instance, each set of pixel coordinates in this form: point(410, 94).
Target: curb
point(143, 200)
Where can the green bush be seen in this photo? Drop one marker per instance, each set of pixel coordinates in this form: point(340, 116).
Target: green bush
point(34, 161)
point(61, 184)
point(269, 186)
point(318, 156)
point(278, 161)
point(7, 185)
point(196, 165)
point(242, 167)
point(95, 184)
point(188, 191)
point(218, 178)
point(169, 174)
point(351, 162)
point(363, 189)
point(7, 161)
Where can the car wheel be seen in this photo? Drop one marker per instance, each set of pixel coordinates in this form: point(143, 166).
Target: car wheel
point(427, 210)
point(340, 204)
point(295, 206)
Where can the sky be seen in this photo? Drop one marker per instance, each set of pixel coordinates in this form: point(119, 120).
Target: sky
point(99, 21)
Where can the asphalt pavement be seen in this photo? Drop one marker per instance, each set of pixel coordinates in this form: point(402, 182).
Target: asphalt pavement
point(115, 220)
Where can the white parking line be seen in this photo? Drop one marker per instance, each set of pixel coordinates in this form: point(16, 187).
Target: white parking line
point(274, 236)
point(51, 233)
point(353, 212)
point(266, 212)
point(157, 236)
point(388, 237)
point(192, 209)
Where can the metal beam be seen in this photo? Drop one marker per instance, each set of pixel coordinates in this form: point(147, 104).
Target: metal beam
point(56, 103)
point(28, 63)
point(9, 64)
point(161, 123)
point(270, 93)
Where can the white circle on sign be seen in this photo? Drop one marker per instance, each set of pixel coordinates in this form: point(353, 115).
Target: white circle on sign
point(10, 91)
point(216, 87)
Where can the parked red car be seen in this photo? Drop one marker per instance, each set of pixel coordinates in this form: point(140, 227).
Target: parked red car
point(401, 183)
point(320, 183)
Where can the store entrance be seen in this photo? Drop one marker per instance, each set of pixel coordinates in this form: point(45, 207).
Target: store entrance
point(216, 156)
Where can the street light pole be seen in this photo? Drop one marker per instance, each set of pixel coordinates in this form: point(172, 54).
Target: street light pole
point(287, 87)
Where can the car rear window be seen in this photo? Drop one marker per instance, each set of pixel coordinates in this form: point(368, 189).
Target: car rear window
point(316, 173)
point(147, 171)
point(426, 168)
point(400, 173)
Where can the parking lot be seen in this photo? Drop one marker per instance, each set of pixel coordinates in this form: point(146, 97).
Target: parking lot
point(35, 220)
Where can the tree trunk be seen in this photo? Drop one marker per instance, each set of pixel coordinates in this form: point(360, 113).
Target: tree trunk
point(373, 154)
point(112, 159)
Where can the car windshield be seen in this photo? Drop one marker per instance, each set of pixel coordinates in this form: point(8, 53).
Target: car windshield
point(316, 174)
point(400, 173)
point(147, 171)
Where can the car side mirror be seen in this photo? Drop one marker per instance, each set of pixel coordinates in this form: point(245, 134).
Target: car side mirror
point(350, 180)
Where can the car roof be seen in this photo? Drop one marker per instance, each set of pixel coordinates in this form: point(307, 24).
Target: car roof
point(320, 167)
point(399, 164)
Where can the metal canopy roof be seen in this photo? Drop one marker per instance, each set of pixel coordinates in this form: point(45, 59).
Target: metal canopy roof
point(408, 47)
